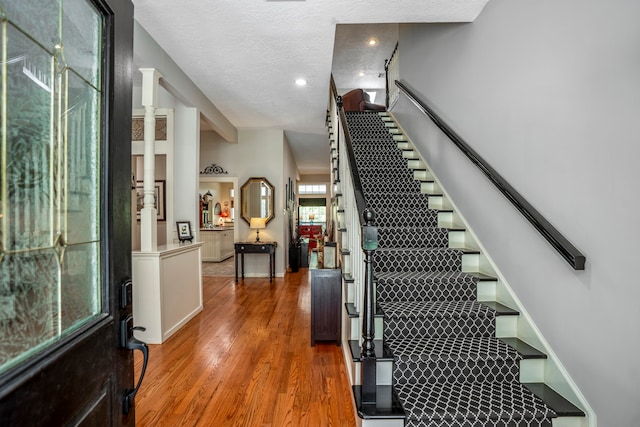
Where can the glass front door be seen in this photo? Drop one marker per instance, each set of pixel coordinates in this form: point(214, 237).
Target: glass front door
point(64, 213)
point(50, 141)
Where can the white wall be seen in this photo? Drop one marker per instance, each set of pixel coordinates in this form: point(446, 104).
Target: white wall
point(258, 153)
point(548, 92)
point(185, 167)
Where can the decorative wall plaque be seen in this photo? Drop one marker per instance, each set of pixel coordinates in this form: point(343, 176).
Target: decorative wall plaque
point(213, 169)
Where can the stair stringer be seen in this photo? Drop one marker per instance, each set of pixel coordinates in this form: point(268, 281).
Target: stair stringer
point(553, 374)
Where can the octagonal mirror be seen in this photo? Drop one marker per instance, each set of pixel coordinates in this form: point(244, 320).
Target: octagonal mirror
point(256, 198)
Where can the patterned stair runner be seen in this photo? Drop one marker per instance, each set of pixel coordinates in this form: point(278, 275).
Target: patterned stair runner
point(449, 368)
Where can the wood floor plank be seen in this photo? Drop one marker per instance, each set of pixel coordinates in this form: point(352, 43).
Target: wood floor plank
point(246, 361)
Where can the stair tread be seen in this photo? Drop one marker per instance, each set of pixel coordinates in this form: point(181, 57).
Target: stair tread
point(348, 278)
point(471, 400)
point(351, 310)
point(395, 213)
point(431, 249)
point(417, 229)
point(422, 309)
point(393, 194)
point(447, 348)
point(500, 309)
point(559, 404)
point(424, 276)
point(484, 277)
point(527, 351)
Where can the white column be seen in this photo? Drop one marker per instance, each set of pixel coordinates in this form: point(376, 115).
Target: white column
point(149, 214)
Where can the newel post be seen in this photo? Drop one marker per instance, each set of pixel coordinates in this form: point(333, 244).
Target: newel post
point(368, 355)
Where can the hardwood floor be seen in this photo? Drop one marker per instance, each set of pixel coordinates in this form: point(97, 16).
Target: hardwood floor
point(246, 360)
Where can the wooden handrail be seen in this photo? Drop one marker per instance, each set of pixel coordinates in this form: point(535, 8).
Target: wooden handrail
point(569, 252)
point(361, 204)
point(369, 241)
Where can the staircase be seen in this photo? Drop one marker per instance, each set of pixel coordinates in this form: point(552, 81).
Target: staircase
point(448, 366)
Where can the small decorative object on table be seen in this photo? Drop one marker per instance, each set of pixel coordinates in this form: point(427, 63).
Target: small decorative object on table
point(258, 224)
point(184, 231)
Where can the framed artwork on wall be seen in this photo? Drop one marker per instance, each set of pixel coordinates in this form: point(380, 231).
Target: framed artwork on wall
point(159, 198)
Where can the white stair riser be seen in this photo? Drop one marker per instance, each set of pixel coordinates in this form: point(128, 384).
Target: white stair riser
point(422, 175)
point(429, 187)
point(410, 154)
point(569, 422)
point(507, 326)
point(439, 202)
point(457, 239)
point(416, 164)
point(532, 370)
point(355, 330)
point(384, 372)
point(471, 263)
point(381, 423)
point(378, 325)
point(486, 290)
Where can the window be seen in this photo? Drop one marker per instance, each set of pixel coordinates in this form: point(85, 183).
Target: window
point(313, 215)
point(312, 189)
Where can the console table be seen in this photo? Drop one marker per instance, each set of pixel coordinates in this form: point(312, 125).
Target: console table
point(268, 248)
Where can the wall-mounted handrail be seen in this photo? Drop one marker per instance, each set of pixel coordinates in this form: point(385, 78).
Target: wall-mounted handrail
point(569, 252)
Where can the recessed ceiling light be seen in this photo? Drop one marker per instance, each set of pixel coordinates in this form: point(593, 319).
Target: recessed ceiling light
point(301, 82)
point(361, 73)
point(372, 42)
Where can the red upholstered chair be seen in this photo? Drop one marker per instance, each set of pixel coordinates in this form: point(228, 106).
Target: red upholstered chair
point(358, 100)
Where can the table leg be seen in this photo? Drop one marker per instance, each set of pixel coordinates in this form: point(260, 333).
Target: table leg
point(237, 256)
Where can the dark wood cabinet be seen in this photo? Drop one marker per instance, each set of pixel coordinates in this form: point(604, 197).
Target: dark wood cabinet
point(326, 299)
point(304, 253)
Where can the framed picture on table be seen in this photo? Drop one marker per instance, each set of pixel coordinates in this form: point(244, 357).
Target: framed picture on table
point(184, 231)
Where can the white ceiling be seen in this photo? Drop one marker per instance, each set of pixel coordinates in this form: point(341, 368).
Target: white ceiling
point(245, 55)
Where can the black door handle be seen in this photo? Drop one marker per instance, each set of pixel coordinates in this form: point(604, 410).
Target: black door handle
point(128, 341)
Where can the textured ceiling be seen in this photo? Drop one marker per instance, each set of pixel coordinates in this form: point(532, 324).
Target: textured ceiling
point(245, 55)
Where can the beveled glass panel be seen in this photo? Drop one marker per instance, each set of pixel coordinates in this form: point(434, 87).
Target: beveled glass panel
point(28, 178)
point(50, 258)
point(39, 19)
point(29, 293)
point(82, 173)
point(79, 280)
point(81, 32)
